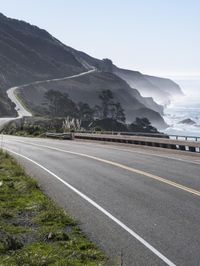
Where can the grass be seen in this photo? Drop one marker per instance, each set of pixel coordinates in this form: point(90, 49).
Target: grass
point(33, 229)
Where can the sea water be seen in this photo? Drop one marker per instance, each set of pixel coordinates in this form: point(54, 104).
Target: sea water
point(184, 107)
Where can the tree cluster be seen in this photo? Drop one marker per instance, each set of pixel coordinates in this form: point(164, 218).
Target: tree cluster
point(109, 108)
point(109, 115)
point(142, 125)
point(60, 105)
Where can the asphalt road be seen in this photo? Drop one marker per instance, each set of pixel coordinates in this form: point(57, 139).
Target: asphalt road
point(140, 202)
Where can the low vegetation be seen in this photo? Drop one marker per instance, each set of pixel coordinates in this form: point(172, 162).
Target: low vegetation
point(33, 230)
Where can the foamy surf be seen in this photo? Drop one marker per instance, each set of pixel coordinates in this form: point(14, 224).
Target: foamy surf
point(185, 107)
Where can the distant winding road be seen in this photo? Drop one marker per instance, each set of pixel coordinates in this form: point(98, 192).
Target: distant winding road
point(21, 110)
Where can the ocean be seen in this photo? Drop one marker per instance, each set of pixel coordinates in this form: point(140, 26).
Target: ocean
point(184, 107)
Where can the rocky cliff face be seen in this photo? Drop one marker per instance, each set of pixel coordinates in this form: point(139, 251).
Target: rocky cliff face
point(162, 90)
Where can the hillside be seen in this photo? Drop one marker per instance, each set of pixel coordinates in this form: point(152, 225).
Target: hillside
point(6, 107)
point(161, 90)
point(28, 54)
point(86, 89)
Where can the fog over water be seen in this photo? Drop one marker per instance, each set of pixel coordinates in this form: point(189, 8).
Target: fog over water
point(185, 107)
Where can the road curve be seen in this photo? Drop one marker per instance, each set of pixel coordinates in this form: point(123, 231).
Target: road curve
point(20, 108)
point(110, 190)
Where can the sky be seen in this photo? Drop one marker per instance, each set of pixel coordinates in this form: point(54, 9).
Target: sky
point(159, 37)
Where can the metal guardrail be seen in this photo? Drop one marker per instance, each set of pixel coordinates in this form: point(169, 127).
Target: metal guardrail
point(187, 138)
point(141, 140)
point(155, 135)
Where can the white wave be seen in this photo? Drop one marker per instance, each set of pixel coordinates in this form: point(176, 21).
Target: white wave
point(184, 107)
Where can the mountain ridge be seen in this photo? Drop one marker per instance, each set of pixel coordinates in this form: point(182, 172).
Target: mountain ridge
point(28, 54)
point(161, 89)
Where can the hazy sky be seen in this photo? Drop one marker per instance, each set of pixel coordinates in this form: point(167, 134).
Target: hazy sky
point(154, 36)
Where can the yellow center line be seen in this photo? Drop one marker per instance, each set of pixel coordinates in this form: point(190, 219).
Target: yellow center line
point(140, 172)
point(122, 166)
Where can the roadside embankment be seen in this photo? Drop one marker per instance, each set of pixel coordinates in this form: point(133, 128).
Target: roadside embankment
point(33, 230)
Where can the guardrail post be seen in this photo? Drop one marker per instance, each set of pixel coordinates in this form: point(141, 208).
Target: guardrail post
point(182, 147)
point(192, 149)
point(164, 145)
point(172, 146)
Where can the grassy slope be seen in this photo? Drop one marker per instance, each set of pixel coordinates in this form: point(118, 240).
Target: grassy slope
point(33, 230)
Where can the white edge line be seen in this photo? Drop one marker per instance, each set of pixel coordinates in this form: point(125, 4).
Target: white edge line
point(97, 206)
